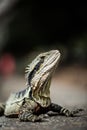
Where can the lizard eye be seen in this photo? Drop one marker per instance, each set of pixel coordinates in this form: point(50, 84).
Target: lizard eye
point(42, 59)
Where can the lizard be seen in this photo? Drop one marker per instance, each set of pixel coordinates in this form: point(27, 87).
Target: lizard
point(34, 101)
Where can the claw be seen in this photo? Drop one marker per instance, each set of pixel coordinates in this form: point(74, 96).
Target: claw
point(77, 111)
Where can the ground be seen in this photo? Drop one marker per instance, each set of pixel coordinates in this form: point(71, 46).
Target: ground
point(50, 123)
point(68, 88)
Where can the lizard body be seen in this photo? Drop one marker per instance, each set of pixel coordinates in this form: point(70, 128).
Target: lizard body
point(34, 101)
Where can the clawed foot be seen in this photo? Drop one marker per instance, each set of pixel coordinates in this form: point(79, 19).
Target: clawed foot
point(30, 117)
point(68, 113)
point(77, 111)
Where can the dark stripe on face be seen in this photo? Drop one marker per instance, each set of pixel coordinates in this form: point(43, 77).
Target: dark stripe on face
point(36, 68)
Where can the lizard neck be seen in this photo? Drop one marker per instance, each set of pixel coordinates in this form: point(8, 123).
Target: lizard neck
point(42, 97)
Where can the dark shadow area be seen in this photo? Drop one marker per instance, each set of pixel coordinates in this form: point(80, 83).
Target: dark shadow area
point(28, 27)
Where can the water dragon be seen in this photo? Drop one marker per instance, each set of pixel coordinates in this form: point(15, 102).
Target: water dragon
point(34, 101)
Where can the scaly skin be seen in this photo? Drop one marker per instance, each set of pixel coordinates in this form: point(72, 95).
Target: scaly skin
point(33, 102)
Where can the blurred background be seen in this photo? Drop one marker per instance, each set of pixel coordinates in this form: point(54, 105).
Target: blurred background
point(28, 28)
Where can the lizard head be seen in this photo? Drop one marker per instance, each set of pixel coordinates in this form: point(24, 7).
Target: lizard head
point(39, 74)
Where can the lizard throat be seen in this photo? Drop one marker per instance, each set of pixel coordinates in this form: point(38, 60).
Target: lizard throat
point(42, 96)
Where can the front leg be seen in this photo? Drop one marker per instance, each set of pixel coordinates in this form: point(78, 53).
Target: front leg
point(27, 111)
point(62, 111)
point(29, 116)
